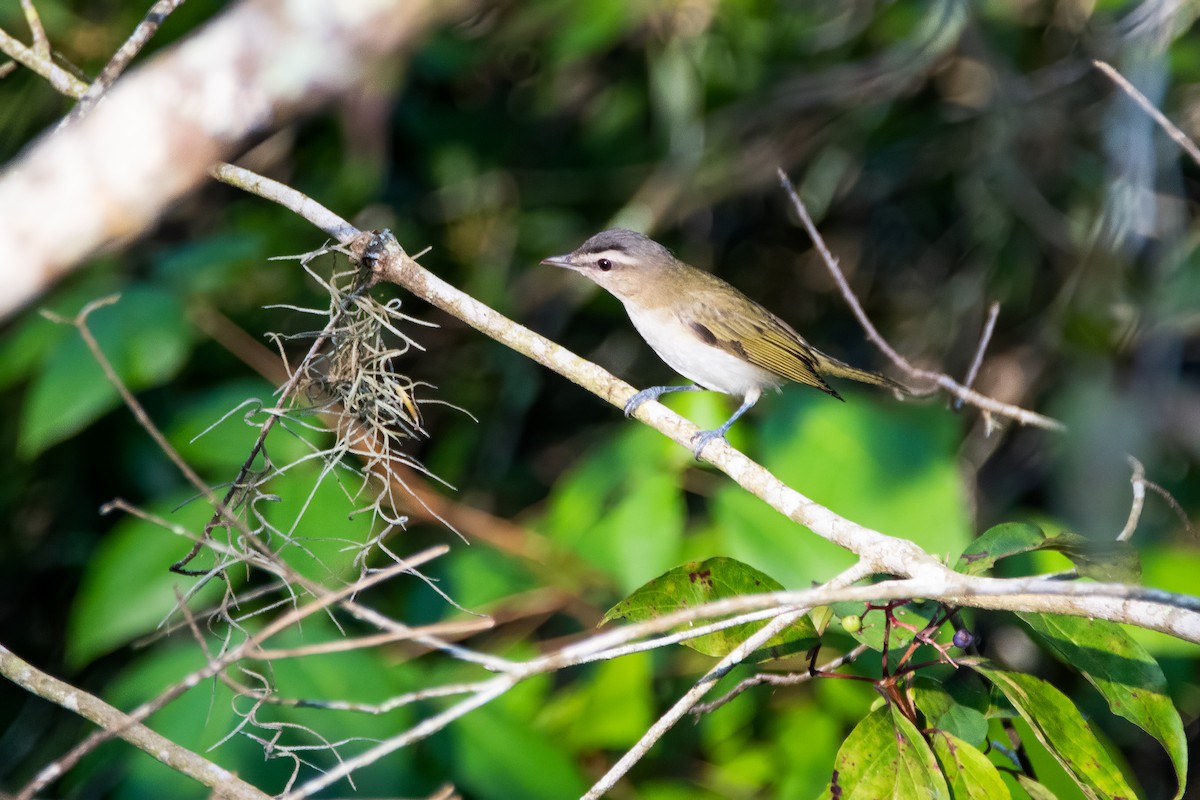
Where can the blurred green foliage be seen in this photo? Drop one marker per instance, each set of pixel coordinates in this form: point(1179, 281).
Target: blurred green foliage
point(952, 153)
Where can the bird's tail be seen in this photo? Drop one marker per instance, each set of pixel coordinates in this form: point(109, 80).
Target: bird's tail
point(828, 365)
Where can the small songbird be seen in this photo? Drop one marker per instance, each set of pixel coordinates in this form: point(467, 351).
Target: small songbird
point(704, 329)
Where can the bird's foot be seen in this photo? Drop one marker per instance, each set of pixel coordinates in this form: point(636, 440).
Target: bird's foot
point(704, 437)
point(653, 393)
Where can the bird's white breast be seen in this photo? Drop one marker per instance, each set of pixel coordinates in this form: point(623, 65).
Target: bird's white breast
point(709, 366)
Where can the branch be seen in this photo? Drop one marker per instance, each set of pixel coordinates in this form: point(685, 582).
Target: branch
point(224, 784)
point(159, 130)
point(951, 386)
point(881, 553)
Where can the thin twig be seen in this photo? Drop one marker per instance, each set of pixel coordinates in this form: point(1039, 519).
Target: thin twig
point(953, 387)
point(1138, 479)
point(989, 327)
point(775, 679)
point(62, 81)
point(220, 507)
point(120, 60)
point(1134, 94)
point(59, 766)
point(37, 31)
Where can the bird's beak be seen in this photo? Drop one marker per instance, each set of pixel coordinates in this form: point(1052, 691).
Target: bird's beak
point(559, 261)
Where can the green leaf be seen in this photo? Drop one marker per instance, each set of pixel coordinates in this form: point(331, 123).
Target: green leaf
point(1036, 790)
point(1103, 561)
point(997, 542)
point(1128, 677)
point(886, 757)
point(968, 772)
point(146, 338)
point(945, 714)
point(209, 429)
point(699, 582)
point(1060, 727)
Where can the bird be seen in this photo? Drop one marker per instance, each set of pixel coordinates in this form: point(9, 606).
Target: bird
point(703, 328)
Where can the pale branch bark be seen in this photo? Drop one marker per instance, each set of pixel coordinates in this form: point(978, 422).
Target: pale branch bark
point(1138, 481)
point(41, 44)
point(39, 61)
point(706, 683)
point(689, 699)
point(883, 554)
point(257, 66)
point(225, 784)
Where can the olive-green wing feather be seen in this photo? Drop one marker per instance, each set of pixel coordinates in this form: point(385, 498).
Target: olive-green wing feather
point(749, 331)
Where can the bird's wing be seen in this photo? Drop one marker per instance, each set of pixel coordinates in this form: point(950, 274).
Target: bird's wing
point(758, 336)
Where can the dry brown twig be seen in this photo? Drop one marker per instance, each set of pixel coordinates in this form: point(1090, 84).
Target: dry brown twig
point(985, 404)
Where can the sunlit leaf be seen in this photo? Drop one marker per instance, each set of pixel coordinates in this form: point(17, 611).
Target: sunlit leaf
point(885, 757)
point(946, 714)
point(967, 771)
point(1060, 727)
point(1128, 677)
point(699, 582)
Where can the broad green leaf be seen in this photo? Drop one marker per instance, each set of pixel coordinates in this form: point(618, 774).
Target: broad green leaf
point(146, 338)
point(885, 757)
point(699, 582)
point(1036, 790)
point(997, 542)
point(1107, 561)
point(25, 345)
point(210, 429)
point(944, 713)
point(27, 342)
point(1102, 561)
point(1060, 727)
point(968, 772)
point(1128, 677)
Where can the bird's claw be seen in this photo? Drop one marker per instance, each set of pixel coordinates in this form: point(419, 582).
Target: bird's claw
point(703, 438)
point(639, 398)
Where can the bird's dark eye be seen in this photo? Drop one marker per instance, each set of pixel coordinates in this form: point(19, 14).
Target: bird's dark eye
point(604, 264)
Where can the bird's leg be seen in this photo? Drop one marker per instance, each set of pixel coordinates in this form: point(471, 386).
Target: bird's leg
point(704, 437)
point(655, 392)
